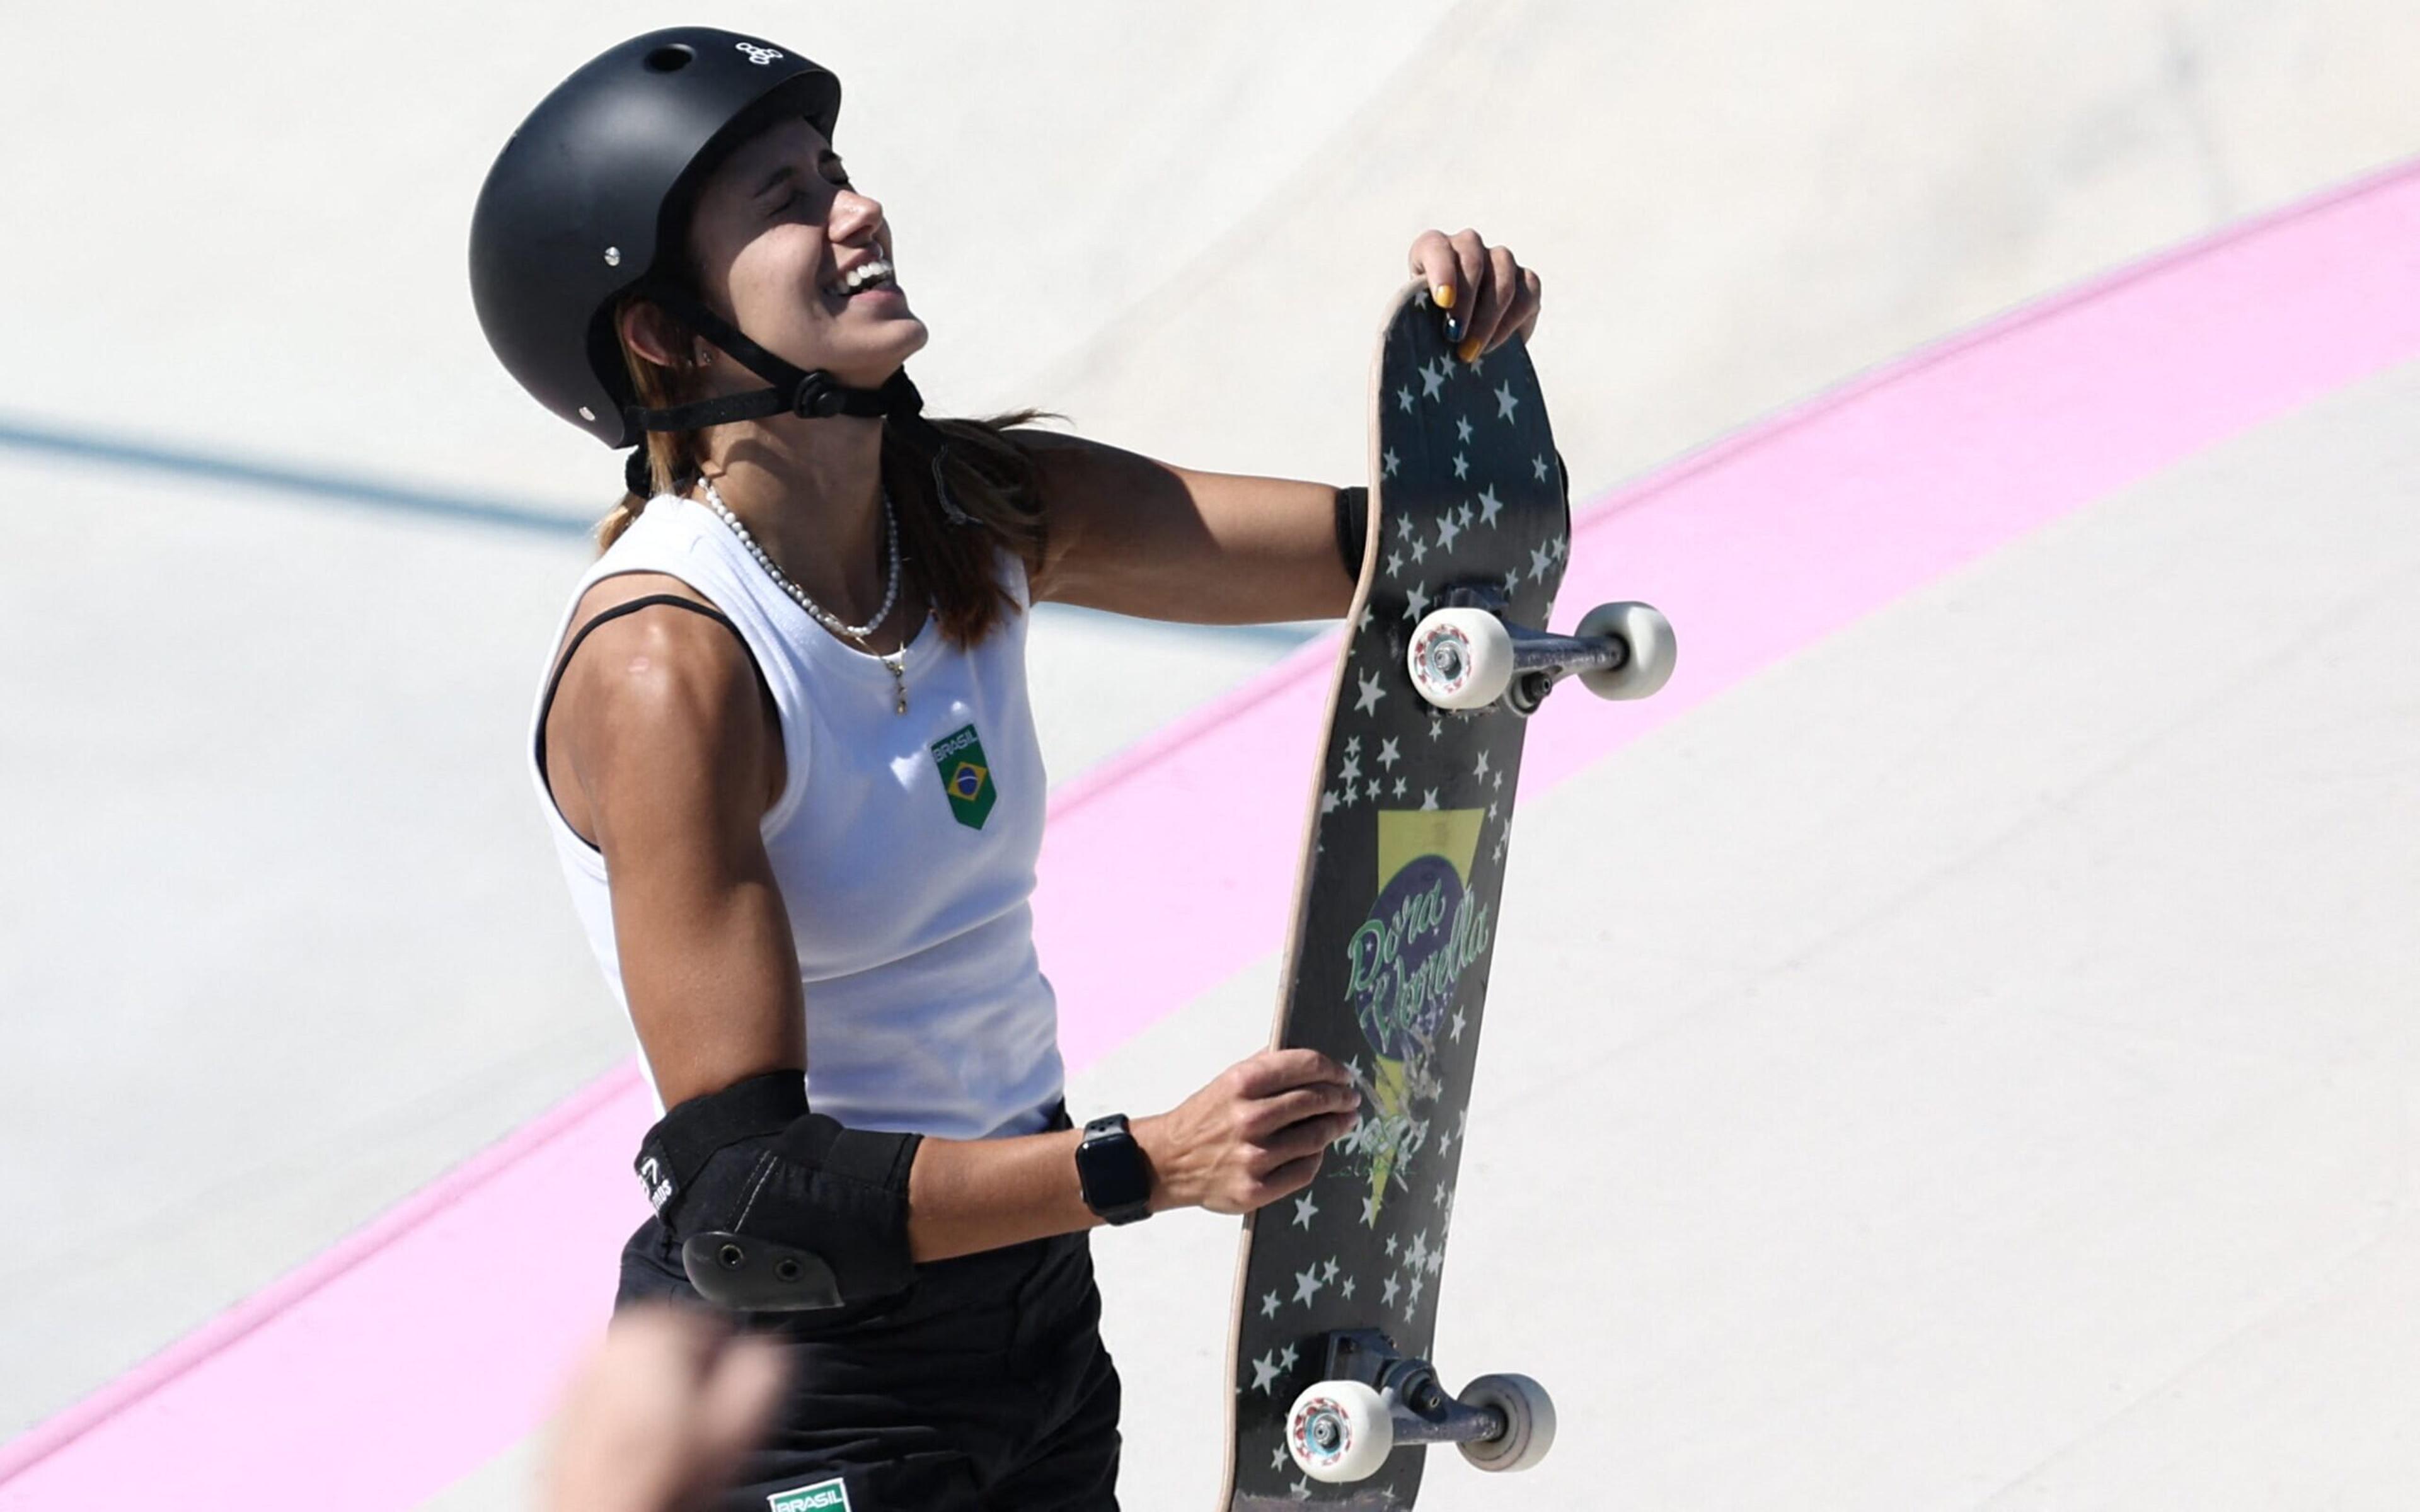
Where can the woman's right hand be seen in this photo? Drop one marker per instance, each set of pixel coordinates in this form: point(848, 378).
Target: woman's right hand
point(1253, 1136)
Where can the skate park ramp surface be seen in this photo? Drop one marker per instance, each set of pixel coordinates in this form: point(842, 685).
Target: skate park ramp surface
point(1953, 1048)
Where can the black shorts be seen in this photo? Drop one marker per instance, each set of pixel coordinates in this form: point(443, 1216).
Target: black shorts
point(986, 1386)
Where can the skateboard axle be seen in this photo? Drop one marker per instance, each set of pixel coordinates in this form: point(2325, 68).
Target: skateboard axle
point(1422, 1409)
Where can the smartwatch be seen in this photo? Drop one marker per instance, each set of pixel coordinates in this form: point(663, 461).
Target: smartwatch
point(1115, 1177)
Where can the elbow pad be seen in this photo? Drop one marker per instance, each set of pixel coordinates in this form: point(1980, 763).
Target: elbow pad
point(778, 1209)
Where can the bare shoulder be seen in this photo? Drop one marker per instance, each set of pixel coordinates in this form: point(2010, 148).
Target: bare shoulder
point(657, 710)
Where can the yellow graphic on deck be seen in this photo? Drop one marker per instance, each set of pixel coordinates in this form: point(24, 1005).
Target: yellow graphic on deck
point(1407, 961)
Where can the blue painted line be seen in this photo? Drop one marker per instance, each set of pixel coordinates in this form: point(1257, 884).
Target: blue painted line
point(334, 488)
point(369, 493)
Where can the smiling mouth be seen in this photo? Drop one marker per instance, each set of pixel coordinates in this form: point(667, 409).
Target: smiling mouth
point(876, 273)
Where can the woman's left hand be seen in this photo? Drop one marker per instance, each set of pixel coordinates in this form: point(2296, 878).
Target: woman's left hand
point(1488, 296)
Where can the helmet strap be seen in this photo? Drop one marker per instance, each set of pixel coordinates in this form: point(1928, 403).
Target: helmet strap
point(809, 396)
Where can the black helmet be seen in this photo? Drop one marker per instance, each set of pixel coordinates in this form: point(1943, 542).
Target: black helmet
point(588, 202)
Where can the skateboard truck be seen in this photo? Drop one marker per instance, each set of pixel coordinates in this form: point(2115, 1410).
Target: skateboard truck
point(1467, 656)
point(1374, 1399)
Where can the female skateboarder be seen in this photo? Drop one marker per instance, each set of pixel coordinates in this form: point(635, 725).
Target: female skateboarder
point(786, 752)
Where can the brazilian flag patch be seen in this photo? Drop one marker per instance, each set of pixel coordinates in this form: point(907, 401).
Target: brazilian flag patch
point(966, 775)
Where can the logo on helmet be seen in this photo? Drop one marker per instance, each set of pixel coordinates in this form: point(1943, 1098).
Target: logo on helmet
point(759, 56)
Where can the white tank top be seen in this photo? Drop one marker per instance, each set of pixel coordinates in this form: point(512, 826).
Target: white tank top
point(904, 846)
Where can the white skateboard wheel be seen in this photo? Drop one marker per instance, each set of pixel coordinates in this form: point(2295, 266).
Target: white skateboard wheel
point(1528, 1422)
point(1648, 634)
point(1460, 659)
point(1340, 1430)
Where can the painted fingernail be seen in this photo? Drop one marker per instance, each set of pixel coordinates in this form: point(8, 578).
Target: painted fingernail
point(1468, 350)
point(1445, 296)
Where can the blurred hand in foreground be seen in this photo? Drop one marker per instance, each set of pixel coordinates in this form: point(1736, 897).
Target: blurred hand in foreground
point(661, 1415)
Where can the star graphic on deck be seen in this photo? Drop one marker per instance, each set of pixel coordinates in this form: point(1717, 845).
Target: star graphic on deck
point(1420, 550)
point(1428, 801)
point(1466, 516)
point(1368, 614)
point(1326, 802)
point(1500, 782)
point(1504, 403)
point(1351, 795)
point(1439, 1253)
point(1394, 463)
point(1539, 464)
point(1300, 1490)
point(1445, 1140)
point(1347, 1288)
point(1403, 526)
point(1491, 811)
point(1269, 1305)
point(1265, 1373)
point(1394, 564)
point(1404, 396)
point(1330, 1274)
point(1371, 791)
point(1388, 755)
point(1416, 603)
point(1499, 850)
point(1402, 786)
point(1387, 1292)
point(1540, 560)
point(1436, 725)
point(1391, 1246)
point(1489, 506)
point(1512, 580)
point(1482, 765)
point(1307, 1284)
point(1415, 1290)
point(1432, 379)
point(1370, 1211)
point(1288, 1360)
point(1305, 1210)
point(1353, 746)
point(1446, 531)
point(1352, 772)
point(1462, 428)
point(1278, 1458)
point(1462, 464)
point(1457, 1026)
point(1371, 694)
point(1479, 365)
point(1420, 1251)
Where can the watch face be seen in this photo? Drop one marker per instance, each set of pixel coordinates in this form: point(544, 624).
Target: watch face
point(1111, 1166)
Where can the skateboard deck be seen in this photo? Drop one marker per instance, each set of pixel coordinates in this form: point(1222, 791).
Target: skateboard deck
point(1395, 907)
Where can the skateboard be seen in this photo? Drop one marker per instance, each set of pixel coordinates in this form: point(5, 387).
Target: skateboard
point(1395, 922)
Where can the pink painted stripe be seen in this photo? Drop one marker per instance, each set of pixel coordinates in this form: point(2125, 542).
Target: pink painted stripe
point(418, 1348)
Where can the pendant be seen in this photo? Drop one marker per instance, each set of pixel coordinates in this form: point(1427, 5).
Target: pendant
point(898, 679)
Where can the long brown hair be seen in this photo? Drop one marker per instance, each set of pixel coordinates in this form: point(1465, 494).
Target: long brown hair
point(990, 477)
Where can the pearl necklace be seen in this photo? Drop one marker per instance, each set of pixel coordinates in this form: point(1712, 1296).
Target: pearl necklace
point(896, 663)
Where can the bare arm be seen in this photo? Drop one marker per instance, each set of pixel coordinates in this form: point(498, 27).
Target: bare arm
point(1144, 538)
